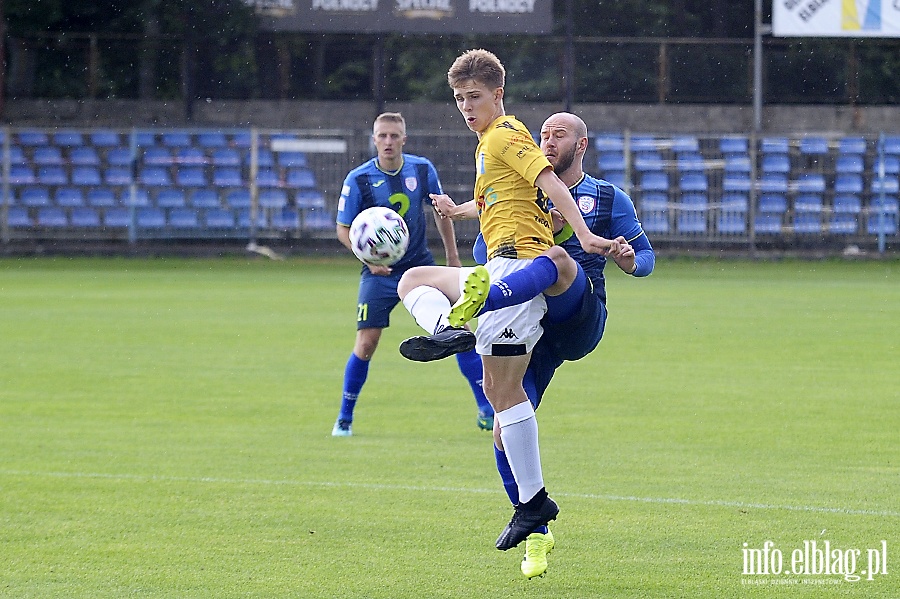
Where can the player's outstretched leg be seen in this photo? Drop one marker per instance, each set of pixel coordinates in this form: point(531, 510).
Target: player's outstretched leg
point(537, 547)
point(475, 293)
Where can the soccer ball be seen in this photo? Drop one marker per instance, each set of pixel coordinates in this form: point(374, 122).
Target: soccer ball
point(379, 236)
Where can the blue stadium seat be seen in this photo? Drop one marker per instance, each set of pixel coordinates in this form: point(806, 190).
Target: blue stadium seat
point(117, 175)
point(735, 202)
point(48, 155)
point(264, 159)
point(685, 144)
point(807, 223)
point(105, 138)
point(877, 224)
point(267, 177)
point(85, 217)
point(86, 175)
point(651, 222)
point(732, 223)
point(212, 139)
point(272, 198)
point(158, 156)
point(292, 159)
point(184, 218)
point(654, 201)
point(611, 161)
point(300, 177)
point(691, 162)
point(617, 178)
point(814, 146)
point(52, 216)
point(155, 176)
point(84, 156)
point(52, 175)
point(773, 183)
point(239, 198)
point(849, 163)
point(145, 139)
point(889, 205)
point(775, 203)
point(809, 202)
point(318, 219)
point(17, 217)
point(205, 198)
point(736, 183)
point(35, 196)
point(21, 175)
point(119, 157)
point(170, 198)
point(190, 156)
point(191, 176)
point(851, 145)
point(286, 219)
point(774, 145)
point(733, 145)
point(891, 165)
point(609, 142)
point(241, 139)
point(140, 199)
point(691, 182)
point(149, 217)
point(116, 217)
point(69, 197)
point(847, 204)
point(888, 185)
point(842, 223)
point(643, 143)
point(654, 181)
point(309, 198)
point(243, 219)
point(176, 139)
point(31, 137)
point(218, 218)
point(776, 163)
point(891, 145)
point(649, 161)
point(227, 176)
point(848, 183)
point(767, 223)
point(101, 197)
point(68, 139)
point(691, 222)
point(17, 156)
point(226, 157)
point(810, 183)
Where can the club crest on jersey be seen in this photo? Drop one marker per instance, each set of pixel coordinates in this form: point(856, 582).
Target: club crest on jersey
point(586, 204)
point(411, 183)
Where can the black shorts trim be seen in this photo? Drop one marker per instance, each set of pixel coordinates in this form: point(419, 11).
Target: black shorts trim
point(503, 349)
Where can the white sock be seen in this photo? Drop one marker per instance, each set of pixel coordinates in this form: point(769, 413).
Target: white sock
point(519, 433)
point(429, 306)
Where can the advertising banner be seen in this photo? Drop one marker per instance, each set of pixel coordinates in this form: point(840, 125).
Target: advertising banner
point(836, 18)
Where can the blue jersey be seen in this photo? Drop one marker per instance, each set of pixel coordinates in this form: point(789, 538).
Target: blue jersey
point(608, 212)
point(405, 191)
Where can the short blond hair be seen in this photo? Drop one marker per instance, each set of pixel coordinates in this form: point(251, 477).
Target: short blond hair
point(390, 117)
point(480, 66)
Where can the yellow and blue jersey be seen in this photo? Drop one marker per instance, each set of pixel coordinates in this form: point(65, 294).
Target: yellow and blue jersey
point(513, 214)
point(405, 191)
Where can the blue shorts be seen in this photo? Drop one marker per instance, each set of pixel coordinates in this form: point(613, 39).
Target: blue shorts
point(569, 340)
point(377, 297)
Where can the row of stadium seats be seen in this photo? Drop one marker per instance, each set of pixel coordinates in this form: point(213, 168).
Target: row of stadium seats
point(765, 223)
point(185, 176)
point(107, 138)
point(166, 197)
point(154, 155)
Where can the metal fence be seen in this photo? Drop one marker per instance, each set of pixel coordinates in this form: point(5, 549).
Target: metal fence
point(213, 184)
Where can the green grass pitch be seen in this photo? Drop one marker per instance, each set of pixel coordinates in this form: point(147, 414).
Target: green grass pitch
point(165, 432)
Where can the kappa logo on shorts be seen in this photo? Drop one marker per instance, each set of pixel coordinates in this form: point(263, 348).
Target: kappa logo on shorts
point(508, 334)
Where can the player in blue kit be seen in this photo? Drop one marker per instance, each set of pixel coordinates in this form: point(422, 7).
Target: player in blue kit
point(403, 183)
point(572, 280)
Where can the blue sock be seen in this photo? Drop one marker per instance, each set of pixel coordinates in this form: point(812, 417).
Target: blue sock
point(509, 482)
point(355, 374)
point(470, 366)
point(522, 285)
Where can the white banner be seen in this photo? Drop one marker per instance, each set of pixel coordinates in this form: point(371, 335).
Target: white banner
point(836, 18)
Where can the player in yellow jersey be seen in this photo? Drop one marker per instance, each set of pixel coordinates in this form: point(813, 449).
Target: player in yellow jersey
point(516, 224)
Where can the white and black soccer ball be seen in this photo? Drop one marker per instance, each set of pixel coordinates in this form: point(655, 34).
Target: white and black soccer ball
point(379, 236)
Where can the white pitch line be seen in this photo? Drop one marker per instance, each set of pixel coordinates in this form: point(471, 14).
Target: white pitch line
point(418, 488)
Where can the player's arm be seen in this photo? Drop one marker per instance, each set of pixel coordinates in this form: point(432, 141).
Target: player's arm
point(448, 209)
point(448, 237)
point(343, 235)
point(640, 259)
point(562, 200)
